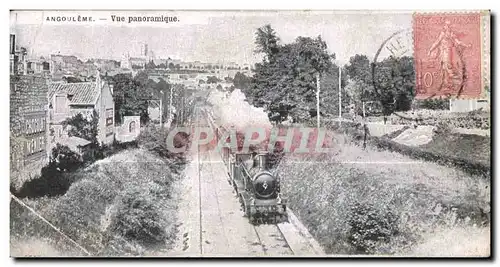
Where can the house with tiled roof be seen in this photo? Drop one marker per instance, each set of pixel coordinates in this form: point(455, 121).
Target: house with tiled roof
point(69, 99)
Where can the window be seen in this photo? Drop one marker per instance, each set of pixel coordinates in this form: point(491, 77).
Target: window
point(32, 146)
point(131, 127)
point(60, 104)
point(109, 130)
point(109, 116)
point(41, 143)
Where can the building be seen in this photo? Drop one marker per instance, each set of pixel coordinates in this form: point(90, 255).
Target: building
point(17, 56)
point(28, 117)
point(70, 66)
point(125, 62)
point(69, 99)
point(28, 126)
point(137, 62)
point(61, 62)
point(22, 64)
point(129, 130)
point(467, 105)
point(105, 65)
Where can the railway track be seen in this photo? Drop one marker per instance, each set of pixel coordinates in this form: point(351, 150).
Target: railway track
point(224, 231)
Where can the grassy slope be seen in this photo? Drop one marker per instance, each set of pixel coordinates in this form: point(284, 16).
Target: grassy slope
point(102, 211)
point(466, 146)
point(354, 205)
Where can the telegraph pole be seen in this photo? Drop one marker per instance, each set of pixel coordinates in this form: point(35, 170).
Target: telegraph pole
point(317, 98)
point(170, 105)
point(161, 110)
point(364, 113)
point(340, 92)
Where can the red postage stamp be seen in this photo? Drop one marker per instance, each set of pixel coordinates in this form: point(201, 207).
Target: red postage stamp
point(447, 51)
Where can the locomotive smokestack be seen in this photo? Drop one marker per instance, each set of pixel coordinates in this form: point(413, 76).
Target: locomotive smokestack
point(262, 161)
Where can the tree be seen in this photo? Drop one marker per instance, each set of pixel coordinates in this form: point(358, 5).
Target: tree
point(435, 104)
point(394, 83)
point(219, 87)
point(171, 65)
point(359, 69)
point(241, 81)
point(213, 79)
point(360, 87)
point(71, 79)
point(131, 95)
point(65, 159)
point(284, 83)
point(86, 128)
point(267, 41)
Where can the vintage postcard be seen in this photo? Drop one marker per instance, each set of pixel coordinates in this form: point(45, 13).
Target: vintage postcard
point(250, 133)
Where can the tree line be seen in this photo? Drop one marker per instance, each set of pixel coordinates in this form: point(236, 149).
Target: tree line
point(285, 81)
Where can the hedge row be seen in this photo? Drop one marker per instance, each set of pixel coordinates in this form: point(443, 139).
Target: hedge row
point(355, 131)
point(470, 166)
point(470, 120)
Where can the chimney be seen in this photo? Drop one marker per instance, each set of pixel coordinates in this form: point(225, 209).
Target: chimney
point(262, 160)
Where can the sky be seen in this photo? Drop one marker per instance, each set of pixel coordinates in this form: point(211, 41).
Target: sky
point(206, 36)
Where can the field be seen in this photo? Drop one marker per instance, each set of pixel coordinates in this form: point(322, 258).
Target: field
point(357, 201)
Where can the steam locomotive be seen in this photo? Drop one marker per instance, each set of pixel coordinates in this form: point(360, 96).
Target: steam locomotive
point(257, 188)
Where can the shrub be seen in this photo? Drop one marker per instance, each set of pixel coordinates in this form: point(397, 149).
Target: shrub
point(51, 183)
point(370, 226)
point(66, 160)
point(138, 217)
point(155, 140)
point(78, 213)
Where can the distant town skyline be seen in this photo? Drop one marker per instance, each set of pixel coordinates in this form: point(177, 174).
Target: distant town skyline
point(222, 37)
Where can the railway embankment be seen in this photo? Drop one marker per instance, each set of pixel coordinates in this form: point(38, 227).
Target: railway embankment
point(122, 205)
point(381, 201)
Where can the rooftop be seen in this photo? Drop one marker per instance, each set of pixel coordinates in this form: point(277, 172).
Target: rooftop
point(82, 93)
